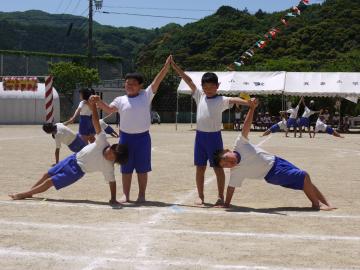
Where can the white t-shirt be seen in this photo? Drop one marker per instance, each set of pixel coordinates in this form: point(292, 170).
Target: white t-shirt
point(84, 108)
point(282, 124)
point(255, 163)
point(91, 158)
point(63, 135)
point(293, 112)
point(307, 112)
point(320, 125)
point(209, 111)
point(103, 124)
point(134, 111)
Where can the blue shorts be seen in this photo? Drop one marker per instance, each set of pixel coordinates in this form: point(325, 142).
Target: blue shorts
point(77, 144)
point(291, 122)
point(109, 130)
point(86, 126)
point(285, 174)
point(66, 172)
point(329, 130)
point(139, 146)
point(275, 128)
point(304, 122)
point(206, 144)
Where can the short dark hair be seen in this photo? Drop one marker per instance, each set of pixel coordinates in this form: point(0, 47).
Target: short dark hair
point(135, 76)
point(209, 77)
point(218, 155)
point(86, 93)
point(49, 127)
point(121, 152)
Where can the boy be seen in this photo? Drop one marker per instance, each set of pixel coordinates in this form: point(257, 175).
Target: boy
point(321, 126)
point(97, 156)
point(86, 128)
point(277, 127)
point(208, 132)
point(305, 118)
point(65, 135)
point(134, 110)
point(250, 161)
point(291, 122)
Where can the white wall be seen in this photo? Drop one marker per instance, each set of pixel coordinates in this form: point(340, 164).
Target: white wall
point(26, 107)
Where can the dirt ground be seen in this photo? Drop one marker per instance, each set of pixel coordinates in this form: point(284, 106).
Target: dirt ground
point(269, 227)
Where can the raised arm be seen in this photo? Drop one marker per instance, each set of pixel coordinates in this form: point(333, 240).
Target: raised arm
point(161, 75)
point(103, 105)
point(95, 115)
point(72, 118)
point(301, 101)
point(239, 101)
point(185, 77)
point(249, 118)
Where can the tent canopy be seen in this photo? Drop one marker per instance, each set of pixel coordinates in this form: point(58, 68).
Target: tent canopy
point(324, 84)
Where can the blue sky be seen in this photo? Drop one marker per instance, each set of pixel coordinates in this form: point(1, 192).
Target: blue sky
point(207, 7)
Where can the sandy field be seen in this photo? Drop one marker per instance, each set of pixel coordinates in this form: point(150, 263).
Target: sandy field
point(269, 227)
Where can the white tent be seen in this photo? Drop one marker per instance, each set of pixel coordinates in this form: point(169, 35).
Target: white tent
point(232, 83)
point(325, 84)
point(26, 107)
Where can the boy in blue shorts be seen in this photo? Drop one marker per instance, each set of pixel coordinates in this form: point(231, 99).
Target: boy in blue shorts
point(305, 118)
point(86, 128)
point(248, 161)
point(278, 126)
point(210, 107)
point(321, 126)
point(99, 156)
point(64, 135)
point(134, 110)
point(292, 120)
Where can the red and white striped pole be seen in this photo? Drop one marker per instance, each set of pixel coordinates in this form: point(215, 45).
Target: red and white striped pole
point(49, 104)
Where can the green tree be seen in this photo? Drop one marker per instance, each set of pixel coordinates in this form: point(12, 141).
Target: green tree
point(67, 75)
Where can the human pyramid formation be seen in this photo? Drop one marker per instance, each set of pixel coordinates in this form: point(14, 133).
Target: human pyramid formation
point(303, 122)
point(133, 152)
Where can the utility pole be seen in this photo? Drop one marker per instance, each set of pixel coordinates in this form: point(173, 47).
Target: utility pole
point(90, 34)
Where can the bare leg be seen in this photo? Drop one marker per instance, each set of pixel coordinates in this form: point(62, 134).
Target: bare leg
point(300, 130)
point(45, 176)
point(142, 180)
point(309, 131)
point(286, 132)
point(229, 195)
point(322, 197)
point(295, 131)
point(91, 138)
point(126, 182)
point(85, 138)
point(38, 189)
point(312, 193)
point(220, 177)
point(337, 134)
point(267, 132)
point(200, 178)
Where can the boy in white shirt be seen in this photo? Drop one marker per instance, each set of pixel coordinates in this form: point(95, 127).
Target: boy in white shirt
point(134, 110)
point(277, 127)
point(292, 120)
point(86, 128)
point(64, 135)
point(321, 126)
point(305, 118)
point(248, 161)
point(95, 157)
point(208, 131)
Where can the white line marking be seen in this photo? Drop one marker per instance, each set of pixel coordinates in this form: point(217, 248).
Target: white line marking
point(22, 138)
point(184, 210)
point(150, 231)
point(21, 253)
point(264, 141)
